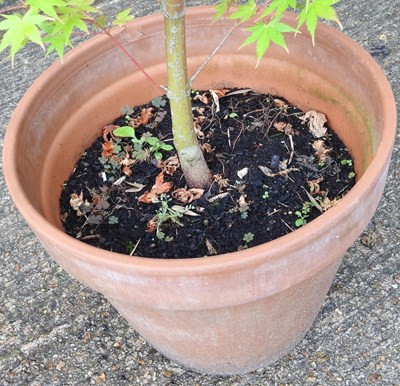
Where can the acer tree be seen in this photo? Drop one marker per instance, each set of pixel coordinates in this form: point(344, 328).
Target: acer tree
point(51, 23)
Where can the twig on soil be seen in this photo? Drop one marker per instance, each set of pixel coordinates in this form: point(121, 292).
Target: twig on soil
point(134, 248)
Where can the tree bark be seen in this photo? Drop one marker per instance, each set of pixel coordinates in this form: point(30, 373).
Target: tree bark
point(194, 167)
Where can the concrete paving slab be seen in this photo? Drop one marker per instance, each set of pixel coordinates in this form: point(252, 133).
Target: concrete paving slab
point(54, 331)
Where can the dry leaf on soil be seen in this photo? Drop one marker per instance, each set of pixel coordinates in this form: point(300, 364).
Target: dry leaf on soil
point(186, 196)
point(107, 149)
point(268, 172)
point(170, 165)
point(160, 187)
point(280, 104)
point(145, 115)
point(321, 152)
point(316, 122)
point(108, 130)
point(202, 98)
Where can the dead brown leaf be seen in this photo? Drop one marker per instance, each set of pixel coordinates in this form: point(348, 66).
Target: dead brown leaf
point(186, 196)
point(314, 185)
point(151, 226)
point(145, 115)
point(127, 171)
point(221, 92)
point(207, 147)
point(327, 203)
point(280, 104)
point(108, 130)
point(210, 248)
point(160, 187)
point(170, 165)
point(316, 122)
point(107, 149)
point(321, 152)
point(202, 98)
point(280, 126)
point(223, 183)
point(198, 121)
point(268, 172)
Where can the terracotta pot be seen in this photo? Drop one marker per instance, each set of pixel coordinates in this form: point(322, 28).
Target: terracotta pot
point(222, 314)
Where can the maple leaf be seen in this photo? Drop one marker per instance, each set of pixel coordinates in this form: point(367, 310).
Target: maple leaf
point(202, 98)
point(314, 10)
point(170, 165)
point(280, 126)
point(160, 187)
point(123, 17)
point(145, 115)
point(46, 6)
point(19, 30)
point(316, 122)
point(186, 196)
point(263, 34)
point(321, 151)
point(108, 149)
point(279, 7)
point(244, 11)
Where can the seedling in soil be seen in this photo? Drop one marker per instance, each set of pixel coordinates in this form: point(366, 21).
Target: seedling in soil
point(347, 162)
point(155, 145)
point(164, 214)
point(303, 214)
point(265, 195)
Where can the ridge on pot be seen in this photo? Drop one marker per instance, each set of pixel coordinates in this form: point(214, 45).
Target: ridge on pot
point(222, 314)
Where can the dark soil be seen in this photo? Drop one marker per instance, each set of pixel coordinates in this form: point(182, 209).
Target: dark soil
point(262, 133)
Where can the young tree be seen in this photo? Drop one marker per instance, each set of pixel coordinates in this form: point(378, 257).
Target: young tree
point(50, 23)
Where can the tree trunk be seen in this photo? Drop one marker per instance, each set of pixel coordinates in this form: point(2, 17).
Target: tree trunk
point(191, 157)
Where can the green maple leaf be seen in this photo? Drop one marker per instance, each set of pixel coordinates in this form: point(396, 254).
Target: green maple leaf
point(19, 30)
point(222, 8)
point(263, 34)
point(244, 12)
point(279, 7)
point(123, 17)
point(46, 6)
point(317, 9)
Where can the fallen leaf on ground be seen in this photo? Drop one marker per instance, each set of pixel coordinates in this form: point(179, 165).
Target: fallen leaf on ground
point(216, 100)
point(280, 104)
point(210, 248)
point(170, 165)
point(201, 98)
point(314, 185)
point(186, 196)
point(108, 130)
point(268, 172)
point(135, 187)
point(321, 151)
point(223, 183)
point(242, 172)
point(280, 126)
point(221, 92)
point(108, 149)
point(145, 115)
point(184, 210)
point(160, 187)
point(207, 147)
point(316, 122)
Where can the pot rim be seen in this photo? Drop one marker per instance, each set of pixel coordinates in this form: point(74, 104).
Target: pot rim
point(253, 255)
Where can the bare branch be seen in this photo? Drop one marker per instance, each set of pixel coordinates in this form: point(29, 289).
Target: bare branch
point(221, 43)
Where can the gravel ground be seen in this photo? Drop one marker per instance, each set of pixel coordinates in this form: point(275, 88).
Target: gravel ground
point(54, 331)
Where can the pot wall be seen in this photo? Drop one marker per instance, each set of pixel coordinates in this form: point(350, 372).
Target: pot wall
point(235, 312)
